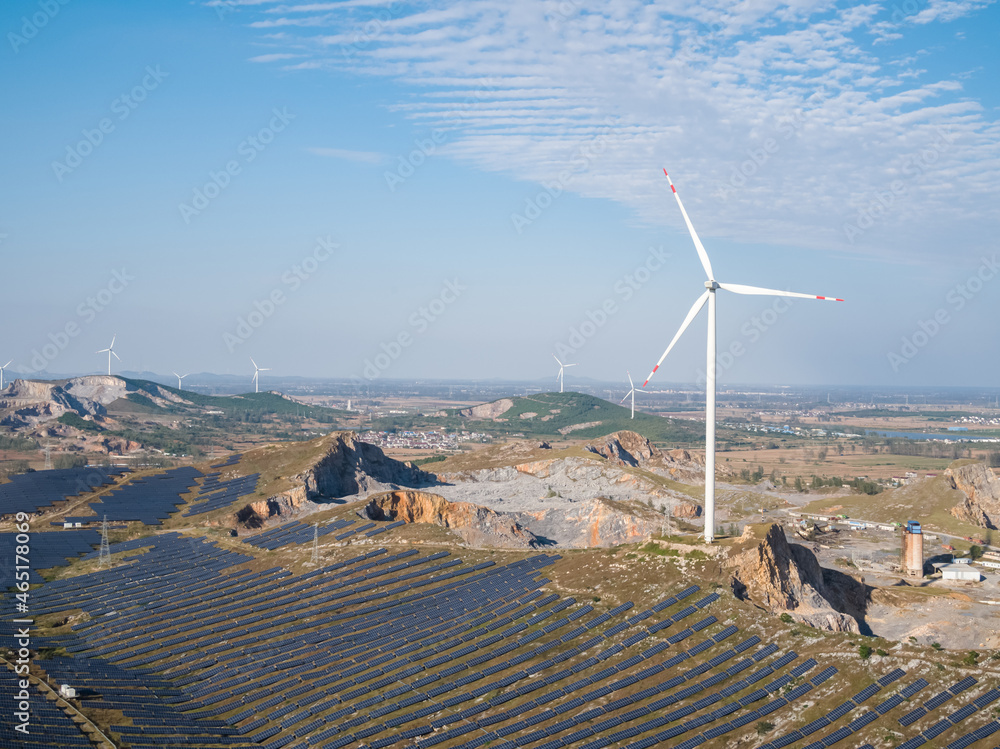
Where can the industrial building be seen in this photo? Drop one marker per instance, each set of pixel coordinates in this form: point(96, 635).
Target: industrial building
point(960, 572)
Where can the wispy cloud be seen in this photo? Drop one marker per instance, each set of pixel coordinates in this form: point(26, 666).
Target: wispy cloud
point(361, 157)
point(274, 57)
point(781, 120)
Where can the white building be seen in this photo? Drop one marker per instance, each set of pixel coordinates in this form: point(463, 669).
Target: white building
point(961, 572)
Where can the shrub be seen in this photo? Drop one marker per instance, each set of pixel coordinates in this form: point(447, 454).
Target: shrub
point(865, 652)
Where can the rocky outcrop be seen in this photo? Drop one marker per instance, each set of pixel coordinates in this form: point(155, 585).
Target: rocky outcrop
point(786, 578)
point(350, 466)
point(275, 509)
point(592, 524)
point(477, 525)
point(629, 449)
point(488, 410)
point(981, 505)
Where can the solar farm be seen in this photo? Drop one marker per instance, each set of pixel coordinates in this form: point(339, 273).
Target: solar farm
point(188, 637)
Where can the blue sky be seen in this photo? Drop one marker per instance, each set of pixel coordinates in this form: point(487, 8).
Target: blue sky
point(458, 190)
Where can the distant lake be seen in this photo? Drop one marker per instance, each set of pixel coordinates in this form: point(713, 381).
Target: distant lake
point(957, 436)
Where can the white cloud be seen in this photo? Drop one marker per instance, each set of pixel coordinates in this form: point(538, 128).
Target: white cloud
point(779, 119)
point(274, 57)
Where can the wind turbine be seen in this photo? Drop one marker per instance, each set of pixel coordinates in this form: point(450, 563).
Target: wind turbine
point(256, 375)
point(1, 372)
point(181, 377)
point(711, 285)
point(561, 368)
point(631, 392)
point(111, 352)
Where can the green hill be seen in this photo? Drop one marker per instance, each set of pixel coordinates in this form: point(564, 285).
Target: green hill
point(570, 415)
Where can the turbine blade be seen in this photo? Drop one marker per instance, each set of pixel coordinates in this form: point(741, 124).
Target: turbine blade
point(6, 365)
point(738, 288)
point(569, 365)
point(695, 309)
point(702, 254)
point(113, 338)
point(557, 359)
point(102, 351)
point(115, 355)
point(626, 396)
point(176, 375)
point(632, 384)
point(254, 363)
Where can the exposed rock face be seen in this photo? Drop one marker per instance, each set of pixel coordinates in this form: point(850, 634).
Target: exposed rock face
point(785, 577)
point(981, 505)
point(477, 525)
point(29, 403)
point(488, 410)
point(351, 466)
point(595, 523)
point(629, 449)
point(279, 508)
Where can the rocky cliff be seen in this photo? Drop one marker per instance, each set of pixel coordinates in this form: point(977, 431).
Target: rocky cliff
point(477, 525)
point(981, 505)
point(350, 466)
point(279, 508)
point(593, 523)
point(786, 578)
point(629, 449)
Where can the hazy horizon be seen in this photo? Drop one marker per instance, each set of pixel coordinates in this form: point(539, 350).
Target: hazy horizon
point(458, 190)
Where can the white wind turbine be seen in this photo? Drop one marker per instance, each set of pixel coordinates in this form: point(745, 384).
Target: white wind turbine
point(1, 372)
point(181, 377)
point(711, 285)
point(256, 375)
point(111, 352)
point(631, 392)
point(561, 368)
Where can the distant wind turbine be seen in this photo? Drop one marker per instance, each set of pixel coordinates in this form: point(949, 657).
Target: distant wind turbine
point(631, 392)
point(1, 372)
point(561, 368)
point(256, 375)
point(181, 377)
point(711, 285)
point(111, 352)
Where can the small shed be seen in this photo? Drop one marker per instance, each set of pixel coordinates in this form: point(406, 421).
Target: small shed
point(962, 572)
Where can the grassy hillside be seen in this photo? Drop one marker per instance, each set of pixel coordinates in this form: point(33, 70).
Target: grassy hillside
point(570, 415)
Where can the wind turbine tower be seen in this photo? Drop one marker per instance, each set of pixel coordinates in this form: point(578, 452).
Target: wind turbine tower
point(709, 296)
point(179, 378)
point(1, 372)
point(561, 368)
point(256, 374)
point(110, 350)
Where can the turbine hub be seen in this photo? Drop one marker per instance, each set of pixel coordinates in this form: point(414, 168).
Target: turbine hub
point(711, 285)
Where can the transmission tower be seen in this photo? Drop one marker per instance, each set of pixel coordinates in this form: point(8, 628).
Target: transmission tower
point(105, 551)
point(315, 556)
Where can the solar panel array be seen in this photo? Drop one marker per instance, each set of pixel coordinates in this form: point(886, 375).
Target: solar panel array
point(216, 493)
point(149, 500)
point(34, 491)
point(417, 649)
point(297, 532)
point(48, 725)
point(52, 549)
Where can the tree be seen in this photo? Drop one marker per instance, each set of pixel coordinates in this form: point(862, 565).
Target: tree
point(975, 551)
point(822, 454)
point(865, 651)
